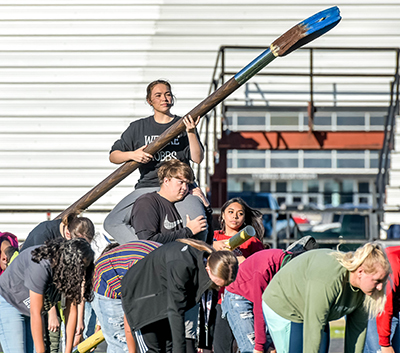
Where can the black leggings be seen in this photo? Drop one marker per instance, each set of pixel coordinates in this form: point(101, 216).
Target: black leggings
point(223, 336)
point(157, 338)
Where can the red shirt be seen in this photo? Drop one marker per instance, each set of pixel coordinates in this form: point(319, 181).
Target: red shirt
point(248, 248)
point(392, 305)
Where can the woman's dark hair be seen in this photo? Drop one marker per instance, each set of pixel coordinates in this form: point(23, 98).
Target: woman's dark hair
point(109, 247)
point(79, 227)
point(223, 264)
point(151, 85)
point(72, 265)
point(9, 252)
point(252, 217)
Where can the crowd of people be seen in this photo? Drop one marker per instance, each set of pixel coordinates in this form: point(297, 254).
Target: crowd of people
point(167, 282)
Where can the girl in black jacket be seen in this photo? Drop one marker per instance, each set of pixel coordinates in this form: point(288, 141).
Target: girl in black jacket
point(158, 290)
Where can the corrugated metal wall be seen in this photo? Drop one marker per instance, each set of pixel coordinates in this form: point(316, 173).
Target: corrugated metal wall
point(73, 75)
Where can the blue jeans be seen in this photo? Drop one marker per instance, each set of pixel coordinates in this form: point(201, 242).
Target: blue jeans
point(90, 321)
point(288, 335)
point(111, 318)
point(239, 313)
point(15, 330)
point(372, 339)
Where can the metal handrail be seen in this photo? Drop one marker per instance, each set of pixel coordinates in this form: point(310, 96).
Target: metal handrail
point(393, 110)
point(218, 77)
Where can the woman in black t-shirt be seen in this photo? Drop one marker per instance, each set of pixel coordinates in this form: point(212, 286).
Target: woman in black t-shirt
point(185, 147)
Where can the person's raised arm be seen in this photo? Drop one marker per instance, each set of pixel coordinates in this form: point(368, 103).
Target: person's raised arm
point(36, 308)
point(196, 149)
point(140, 156)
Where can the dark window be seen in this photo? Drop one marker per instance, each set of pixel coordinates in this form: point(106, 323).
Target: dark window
point(265, 186)
point(363, 199)
point(377, 120)
point(281, 186)
point(285, 120)
point(313, 186)
point(284, 163)
point(321, 120)
point(313, 199)
point(281, 200)
point(251, 163)
point(350, 120)
point(350, 163)
point(248, 186)
point(317, 163)
point(346, 198)
point(374, 163)
point(363, 187)
point(251, 120)
point(327, 199)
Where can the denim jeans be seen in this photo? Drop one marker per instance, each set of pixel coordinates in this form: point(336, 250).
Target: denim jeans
point(372, 339)
point(288, 335)
point(15, 330)
point(90, 320)
point(111, 318)
point(239, 313)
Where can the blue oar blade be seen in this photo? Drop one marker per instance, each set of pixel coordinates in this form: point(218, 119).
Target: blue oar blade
point(306, 31)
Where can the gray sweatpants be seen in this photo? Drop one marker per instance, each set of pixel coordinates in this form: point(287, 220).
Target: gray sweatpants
point(117, 223)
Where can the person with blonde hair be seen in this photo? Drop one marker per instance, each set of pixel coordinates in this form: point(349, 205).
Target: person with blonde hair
point(324, 285)
point(159, 289)
point(383, 333)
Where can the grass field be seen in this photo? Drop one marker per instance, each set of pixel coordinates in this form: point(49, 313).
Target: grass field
point(337, 332)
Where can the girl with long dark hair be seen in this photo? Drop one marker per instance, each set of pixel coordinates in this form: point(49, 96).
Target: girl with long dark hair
point(35, 281)
point(235, 215)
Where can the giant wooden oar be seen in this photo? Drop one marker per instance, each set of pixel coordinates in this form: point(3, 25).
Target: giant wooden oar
point(294, 38)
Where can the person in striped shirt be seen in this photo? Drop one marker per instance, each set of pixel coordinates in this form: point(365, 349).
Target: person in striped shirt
point(110, 268)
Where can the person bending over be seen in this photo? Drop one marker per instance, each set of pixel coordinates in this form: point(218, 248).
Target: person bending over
point(159, 289)
point(37, 279)
point(324, 285)
point(383, 333)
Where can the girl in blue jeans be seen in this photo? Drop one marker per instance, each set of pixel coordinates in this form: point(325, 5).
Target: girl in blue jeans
point(242, 303)
point(110, 268)
point(35, 281)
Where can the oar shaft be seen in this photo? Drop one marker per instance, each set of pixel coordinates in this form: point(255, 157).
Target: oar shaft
point(297, 36)
point(254, 67)
point(122, 172)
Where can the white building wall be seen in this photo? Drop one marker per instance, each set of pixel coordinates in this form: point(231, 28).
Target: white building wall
point(73, 75)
